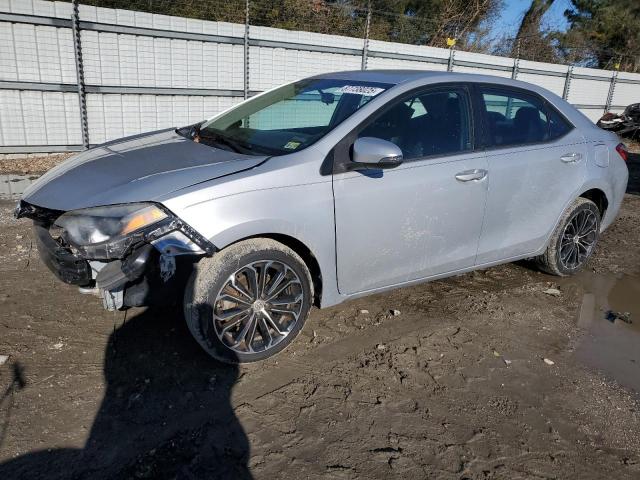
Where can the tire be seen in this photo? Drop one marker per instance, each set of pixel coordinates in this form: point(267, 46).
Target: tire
point(232, 322)
point(561, 258)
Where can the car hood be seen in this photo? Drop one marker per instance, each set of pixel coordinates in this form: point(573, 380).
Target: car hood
point(139, 168)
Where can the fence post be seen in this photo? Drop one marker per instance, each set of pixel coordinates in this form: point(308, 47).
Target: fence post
point(612, 87)
point(365, 47)
point(246, 50)
point(516, 62)
point(77, 48)
point(451, 59)
point(567, 83)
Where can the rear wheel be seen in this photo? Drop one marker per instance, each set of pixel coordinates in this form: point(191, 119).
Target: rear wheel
point(249, 301)
point(574, 239)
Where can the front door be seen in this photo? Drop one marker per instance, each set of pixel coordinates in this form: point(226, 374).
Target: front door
point(422, 218)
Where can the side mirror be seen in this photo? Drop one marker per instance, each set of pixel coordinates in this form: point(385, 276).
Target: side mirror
point(374, 153)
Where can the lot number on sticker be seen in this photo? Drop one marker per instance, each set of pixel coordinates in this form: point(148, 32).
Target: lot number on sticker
point(361, 90)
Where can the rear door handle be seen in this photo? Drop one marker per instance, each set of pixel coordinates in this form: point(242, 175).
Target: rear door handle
point(470, 175)
point(571, 157)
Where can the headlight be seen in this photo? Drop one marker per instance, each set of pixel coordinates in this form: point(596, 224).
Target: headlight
point(108, 232)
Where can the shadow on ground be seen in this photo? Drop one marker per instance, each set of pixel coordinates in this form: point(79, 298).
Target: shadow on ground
point(166, 413)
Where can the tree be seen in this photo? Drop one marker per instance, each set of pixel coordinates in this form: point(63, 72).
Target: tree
point(338, 17)
point(532, 42)
point(431, 22)
point(419, 22)
point(604, 34)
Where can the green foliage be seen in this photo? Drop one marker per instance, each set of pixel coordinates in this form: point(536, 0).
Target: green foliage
point(604, 33)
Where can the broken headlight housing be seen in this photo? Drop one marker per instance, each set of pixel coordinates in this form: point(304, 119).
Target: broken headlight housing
point(109, 232)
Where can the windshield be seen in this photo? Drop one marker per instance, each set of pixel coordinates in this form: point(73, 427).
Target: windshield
point(288, 118)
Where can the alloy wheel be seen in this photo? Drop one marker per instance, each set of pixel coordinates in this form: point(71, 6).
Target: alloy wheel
point(578, 239)
point(258, 306)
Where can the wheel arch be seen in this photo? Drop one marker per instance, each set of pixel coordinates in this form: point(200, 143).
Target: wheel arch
point(592, 192)
point(598, 197)
point(307, 255)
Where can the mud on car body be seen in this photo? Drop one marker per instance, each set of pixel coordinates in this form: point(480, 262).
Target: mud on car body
point(326, 189)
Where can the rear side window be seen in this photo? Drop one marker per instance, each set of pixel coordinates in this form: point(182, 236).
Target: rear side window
point(514, 118)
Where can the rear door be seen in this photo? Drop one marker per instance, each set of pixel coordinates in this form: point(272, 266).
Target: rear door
point(423, 217)
point(537, 162)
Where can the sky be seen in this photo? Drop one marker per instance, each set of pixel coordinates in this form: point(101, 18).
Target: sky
point(513, 11)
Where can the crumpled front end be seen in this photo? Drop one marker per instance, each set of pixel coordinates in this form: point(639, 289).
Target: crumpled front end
point(144, 266)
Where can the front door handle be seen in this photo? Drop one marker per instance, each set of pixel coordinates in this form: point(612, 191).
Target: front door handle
point(571, 157)
point(470, 175)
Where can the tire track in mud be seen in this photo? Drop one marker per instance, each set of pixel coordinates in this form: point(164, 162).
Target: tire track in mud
point(284, 371)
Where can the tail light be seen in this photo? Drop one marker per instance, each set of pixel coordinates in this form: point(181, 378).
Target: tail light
point(622, 151)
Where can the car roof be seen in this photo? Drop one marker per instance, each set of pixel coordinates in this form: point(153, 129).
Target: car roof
point(396, 77)
point(418, 77)
point(381, 76)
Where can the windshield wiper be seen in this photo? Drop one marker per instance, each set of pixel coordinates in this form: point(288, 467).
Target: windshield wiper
point(219, 139)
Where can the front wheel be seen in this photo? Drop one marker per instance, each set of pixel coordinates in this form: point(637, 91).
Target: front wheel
point(249, 301)
point(574, 239)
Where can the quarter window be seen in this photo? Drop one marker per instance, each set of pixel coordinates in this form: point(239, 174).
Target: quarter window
point(436, 122)
point(558, 126)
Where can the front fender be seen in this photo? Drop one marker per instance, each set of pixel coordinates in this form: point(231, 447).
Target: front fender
point(303, 212)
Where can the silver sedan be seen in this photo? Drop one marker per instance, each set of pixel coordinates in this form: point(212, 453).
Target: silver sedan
point(327, 189)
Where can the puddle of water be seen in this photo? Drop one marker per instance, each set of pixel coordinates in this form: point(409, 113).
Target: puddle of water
point(610, 314)
point(12, 185)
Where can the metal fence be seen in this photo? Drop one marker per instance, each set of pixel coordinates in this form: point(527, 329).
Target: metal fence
point(73, 76)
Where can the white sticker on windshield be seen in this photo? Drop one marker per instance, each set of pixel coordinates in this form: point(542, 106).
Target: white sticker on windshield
point(292, 145)
point(362, 90)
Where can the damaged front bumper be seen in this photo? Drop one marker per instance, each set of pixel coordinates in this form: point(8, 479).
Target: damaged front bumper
point(144, 277)
point(150, 271)
point(65, 265)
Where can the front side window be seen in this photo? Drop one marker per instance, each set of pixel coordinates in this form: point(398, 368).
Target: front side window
point(516, 118)
point(289, 118)
point(435, 122)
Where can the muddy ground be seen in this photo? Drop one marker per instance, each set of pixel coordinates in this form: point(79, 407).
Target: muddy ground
point(455, 386)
